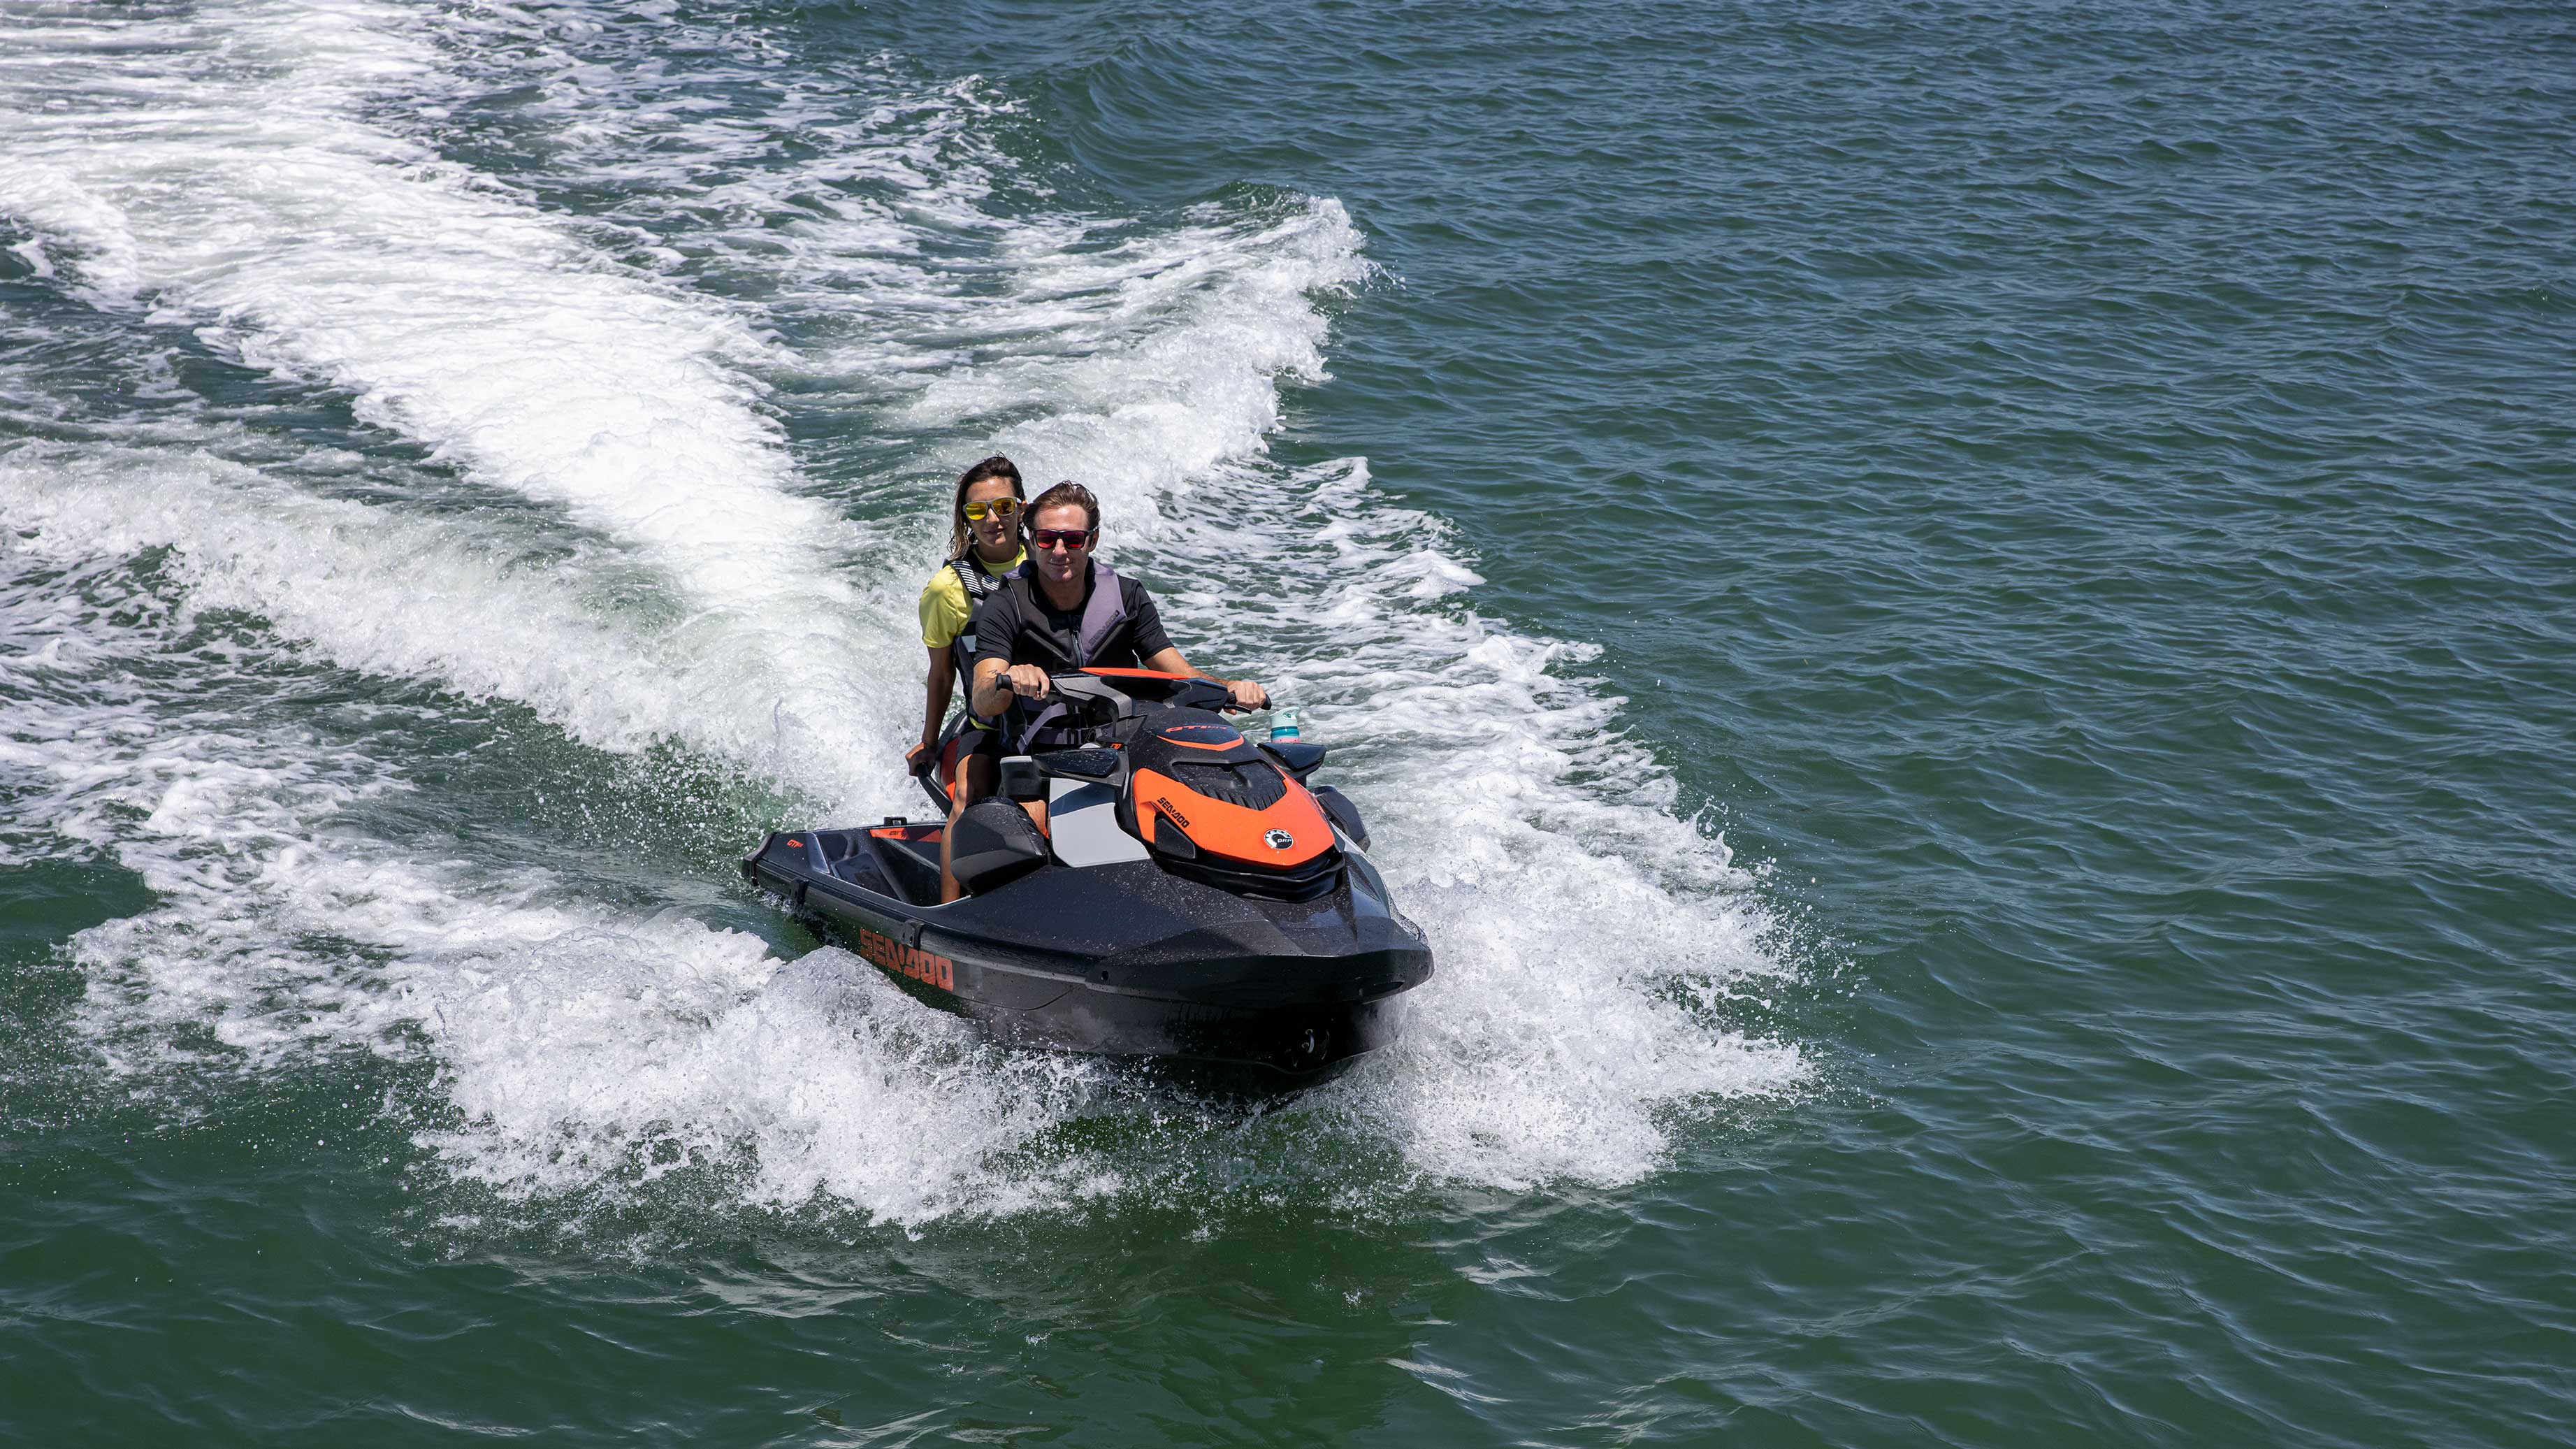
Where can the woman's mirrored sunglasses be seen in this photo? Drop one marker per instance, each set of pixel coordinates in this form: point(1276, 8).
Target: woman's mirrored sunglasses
point(998, 507)
point(1061, 537)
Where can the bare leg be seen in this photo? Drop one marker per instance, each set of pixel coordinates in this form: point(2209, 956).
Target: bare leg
point(974, 782)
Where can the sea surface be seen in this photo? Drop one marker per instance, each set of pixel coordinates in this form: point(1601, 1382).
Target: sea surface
point(1959, 621)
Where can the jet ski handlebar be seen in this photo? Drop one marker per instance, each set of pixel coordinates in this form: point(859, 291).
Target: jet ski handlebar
point(1120, 689)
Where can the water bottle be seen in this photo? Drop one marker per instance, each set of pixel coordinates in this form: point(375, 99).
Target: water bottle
point(1283, 724)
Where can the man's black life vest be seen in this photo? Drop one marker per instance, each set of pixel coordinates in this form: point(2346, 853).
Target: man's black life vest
point(1102, 613)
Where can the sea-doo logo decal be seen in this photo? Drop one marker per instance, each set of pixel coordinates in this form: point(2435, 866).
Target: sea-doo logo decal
point(1164, 804)
point(912, 961)
point(1279, 840)
point(1225, 734)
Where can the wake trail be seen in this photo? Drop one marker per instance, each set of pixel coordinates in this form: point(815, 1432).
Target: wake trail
point(217, 166)
point(221, 168)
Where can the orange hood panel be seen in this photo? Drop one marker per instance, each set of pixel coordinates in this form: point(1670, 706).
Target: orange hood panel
point(1234, 831)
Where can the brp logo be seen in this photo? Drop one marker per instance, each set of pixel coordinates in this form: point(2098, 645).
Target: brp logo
point(1279, 840)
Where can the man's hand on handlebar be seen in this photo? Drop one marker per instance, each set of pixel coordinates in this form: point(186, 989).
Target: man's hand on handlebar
point(1247, 695)
point(1028, 681)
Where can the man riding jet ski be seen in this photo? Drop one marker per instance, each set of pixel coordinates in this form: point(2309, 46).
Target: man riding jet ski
point(1065, 610)
point(1148, 882)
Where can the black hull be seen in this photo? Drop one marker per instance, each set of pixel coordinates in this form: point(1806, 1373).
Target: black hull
point(1125, 960)
point(1201, 1046)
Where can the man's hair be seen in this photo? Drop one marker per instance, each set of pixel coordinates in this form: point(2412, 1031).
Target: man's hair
point(1064, 495)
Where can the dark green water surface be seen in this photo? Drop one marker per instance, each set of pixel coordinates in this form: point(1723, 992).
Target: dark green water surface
point(2081, 503)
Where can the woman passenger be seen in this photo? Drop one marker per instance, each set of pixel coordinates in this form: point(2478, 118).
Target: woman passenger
point(983, 546)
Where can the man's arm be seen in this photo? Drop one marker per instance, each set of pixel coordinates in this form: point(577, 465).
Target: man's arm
point(1246, 693)
point(992, 688)
point(997, 633)
point(1156, 649)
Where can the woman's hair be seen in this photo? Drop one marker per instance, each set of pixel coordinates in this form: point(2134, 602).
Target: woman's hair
point(1062, 495)
point(996, 466)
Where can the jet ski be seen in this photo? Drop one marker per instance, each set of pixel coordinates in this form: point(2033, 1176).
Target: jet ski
point(1194, 898)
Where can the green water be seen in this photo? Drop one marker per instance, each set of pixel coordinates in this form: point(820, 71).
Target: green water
point(2076, 502)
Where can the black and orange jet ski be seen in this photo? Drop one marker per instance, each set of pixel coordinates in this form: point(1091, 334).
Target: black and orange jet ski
point(1192, 897)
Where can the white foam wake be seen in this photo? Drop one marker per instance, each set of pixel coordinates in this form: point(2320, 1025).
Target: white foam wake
point(439, 599)
point(1586, 936)
point(574, 1043)
point(218, 166)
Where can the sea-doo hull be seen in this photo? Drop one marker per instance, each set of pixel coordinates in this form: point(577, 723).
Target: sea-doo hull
point(1184, 894)
point(1122, 959)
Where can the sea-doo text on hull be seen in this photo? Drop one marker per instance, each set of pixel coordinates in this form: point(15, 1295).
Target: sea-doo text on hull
point(1192, 897)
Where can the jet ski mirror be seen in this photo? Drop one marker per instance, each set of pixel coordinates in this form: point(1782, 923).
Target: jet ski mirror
point(1299, 757)
point(1022, 779)
point(1339, 809)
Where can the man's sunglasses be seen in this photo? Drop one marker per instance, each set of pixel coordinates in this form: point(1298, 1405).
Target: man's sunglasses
point(1062, 537)
point(998, 507)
